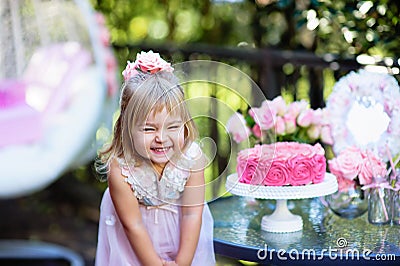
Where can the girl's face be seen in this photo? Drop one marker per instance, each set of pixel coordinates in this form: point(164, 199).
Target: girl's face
point(159, 137)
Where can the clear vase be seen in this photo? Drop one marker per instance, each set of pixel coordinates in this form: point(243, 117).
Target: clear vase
point(395, 199)
point(348, 204)
point(379, 202)
point(395, 207)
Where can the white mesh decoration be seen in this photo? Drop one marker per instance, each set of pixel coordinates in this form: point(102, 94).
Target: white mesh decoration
point(53, 91)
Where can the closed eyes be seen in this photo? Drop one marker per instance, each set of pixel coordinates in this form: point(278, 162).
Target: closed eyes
point(149, 129)
point(174, 127)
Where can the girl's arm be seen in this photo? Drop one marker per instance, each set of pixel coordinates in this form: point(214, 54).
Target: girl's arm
point(192, 210)
point(127, 208)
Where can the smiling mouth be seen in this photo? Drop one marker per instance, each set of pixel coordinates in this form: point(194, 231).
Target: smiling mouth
point(161, 150)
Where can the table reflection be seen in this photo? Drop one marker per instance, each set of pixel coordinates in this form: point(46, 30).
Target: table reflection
point(325, 236)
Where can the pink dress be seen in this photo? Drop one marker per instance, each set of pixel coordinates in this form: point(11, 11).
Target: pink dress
point(159, 213)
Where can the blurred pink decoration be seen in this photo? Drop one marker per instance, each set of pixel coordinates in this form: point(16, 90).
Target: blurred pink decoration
point(19, 122)
point(52, 71)
point(58, 91)
point(110, 60)
point(12, 93)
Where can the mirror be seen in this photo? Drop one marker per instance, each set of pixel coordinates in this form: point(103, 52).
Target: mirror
point(363, 110)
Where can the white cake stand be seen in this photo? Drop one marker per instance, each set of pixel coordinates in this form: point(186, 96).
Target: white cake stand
point(282, 220)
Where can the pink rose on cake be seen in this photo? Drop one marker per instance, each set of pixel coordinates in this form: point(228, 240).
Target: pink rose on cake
point(249, 165)
point(282, 163)
point(319, 162)
point(301, 170)
point(277, 175)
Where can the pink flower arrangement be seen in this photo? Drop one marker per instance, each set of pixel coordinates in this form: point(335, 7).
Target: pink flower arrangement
point(356, 167)
point(286, 122)
point(277, 164)
point(146, 62)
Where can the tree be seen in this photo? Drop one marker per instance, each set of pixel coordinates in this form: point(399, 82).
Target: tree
point(341, 27)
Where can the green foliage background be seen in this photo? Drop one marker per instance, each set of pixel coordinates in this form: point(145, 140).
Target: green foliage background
point(345, 28)
point(342, 28)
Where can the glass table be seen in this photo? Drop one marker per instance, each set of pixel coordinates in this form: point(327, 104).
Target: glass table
point(325, 238)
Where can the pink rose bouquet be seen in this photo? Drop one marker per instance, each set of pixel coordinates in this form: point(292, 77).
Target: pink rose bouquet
point(146, 62)
point(355, 167)
point(277, 121)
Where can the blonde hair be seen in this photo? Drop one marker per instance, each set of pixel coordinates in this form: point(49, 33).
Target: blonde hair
point(141, 95)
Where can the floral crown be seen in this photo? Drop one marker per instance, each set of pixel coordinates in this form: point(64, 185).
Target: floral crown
point(146, 62)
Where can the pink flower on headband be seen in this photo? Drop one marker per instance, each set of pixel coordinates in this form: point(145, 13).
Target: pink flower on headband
point(146, 62)
point(130, 70)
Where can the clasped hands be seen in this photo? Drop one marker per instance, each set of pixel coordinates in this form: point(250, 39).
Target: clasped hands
point(169, 263)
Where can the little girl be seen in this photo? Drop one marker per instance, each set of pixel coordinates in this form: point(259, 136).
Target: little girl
point(153, 211)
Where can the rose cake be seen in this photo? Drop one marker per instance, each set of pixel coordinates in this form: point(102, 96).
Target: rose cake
point(282, 164)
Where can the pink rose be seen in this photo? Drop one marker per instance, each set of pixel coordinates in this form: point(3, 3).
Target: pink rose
point(279, 105)
point(263, 116)
point(348, 163)
point(129, 71)
point(319, 163)
point(149, 62)
point(302, 172)
point(317, 117)
point(278, 175)
point(249, 169)
point(344, 184)
point(280, 126)
point(257, 131)
point(152, 63)
point(334, 168)
point(237, 126)
point(319, 149)
point(286, 149)
point(290, 123)
point(295, 108)
point(305, 118)
point(313, 132)
point(372, 167)
point(326, 136)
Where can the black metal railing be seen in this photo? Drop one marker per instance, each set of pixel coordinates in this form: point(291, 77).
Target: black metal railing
point(266, 65)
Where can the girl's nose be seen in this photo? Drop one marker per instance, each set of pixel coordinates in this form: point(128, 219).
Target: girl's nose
point(160, 137)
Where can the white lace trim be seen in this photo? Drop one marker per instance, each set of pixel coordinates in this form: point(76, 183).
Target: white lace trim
point(151, 191)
